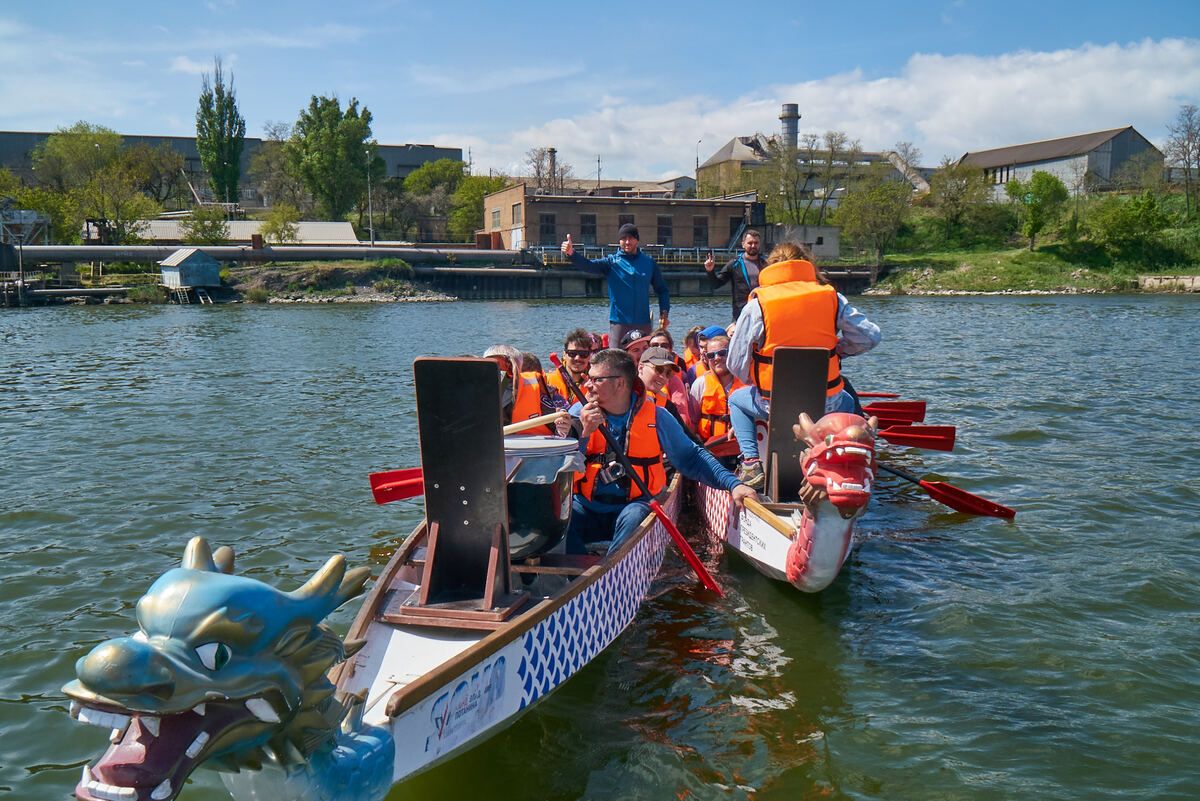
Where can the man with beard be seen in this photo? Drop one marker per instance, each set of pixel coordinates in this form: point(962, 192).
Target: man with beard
point(742, 270)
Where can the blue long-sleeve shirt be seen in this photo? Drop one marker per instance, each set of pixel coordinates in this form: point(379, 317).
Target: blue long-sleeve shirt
point(629, 281)
point(688, 458)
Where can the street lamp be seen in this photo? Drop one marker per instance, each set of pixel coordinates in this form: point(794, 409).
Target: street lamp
point(370, 206)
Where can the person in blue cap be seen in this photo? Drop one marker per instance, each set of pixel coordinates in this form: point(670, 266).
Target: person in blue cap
point(701, 367)
point(631, 272)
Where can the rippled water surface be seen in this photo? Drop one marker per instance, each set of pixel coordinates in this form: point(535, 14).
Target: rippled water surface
point(956, 658)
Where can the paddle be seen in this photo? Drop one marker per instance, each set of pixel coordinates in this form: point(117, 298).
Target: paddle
point(934, 438)
point(879, 394)
point(618, 450)
point(957, 499)
point(723, 445)
point(907, 411)
point(409, 482)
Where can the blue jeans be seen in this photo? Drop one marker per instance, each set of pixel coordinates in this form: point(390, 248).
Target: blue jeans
point(591, 526)
point(746, 406)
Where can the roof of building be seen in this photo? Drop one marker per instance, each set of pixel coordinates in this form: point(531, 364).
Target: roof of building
point(307, 233)
point(180, 256)
point(741, 148)
point(1045, 150)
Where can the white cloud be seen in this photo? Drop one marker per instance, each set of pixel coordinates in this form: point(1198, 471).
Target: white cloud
point(188, 66)
point(945, 104)
point(438, 80)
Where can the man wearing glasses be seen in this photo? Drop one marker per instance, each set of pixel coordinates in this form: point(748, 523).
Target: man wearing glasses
point(576, 355)
point(607, 505)
point(710, 392)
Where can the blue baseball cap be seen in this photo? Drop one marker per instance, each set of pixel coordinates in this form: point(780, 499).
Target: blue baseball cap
point(713, 331)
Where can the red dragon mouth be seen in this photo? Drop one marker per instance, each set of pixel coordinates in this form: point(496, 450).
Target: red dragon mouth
point(152, 755)
point(841, 463)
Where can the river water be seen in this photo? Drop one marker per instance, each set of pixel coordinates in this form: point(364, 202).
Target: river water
point(1057, 656)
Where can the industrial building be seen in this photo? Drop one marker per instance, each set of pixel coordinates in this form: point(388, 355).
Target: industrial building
point(1082, 162)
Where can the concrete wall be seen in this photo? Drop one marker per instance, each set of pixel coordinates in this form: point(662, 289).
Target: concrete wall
point(823, 240)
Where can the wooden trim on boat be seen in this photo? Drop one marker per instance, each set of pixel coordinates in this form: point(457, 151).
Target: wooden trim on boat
point(769, 516)
point(419, 689)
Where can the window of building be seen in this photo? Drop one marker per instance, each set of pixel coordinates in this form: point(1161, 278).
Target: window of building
point(587, 229)
point(495, 219)
point(517, 210)
point(666, 233)
point(820, 240)
point(625, 219)
point(547, 235)
point(700, 232)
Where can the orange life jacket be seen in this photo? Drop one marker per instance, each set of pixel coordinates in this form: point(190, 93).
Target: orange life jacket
point(797, 312)
point(555, 379)
point(690, 358)
point(528, 391)
point(714, 406)
point(641, 448)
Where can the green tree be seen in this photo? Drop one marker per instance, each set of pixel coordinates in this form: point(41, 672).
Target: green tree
point(280, 225)
point(9, 183)
point(1040, 200)
point(113, 196)
point(873, 212)
point(206, 226)
point(1128, 225)
point(71, 157)
point(159, 170)
point(955, 192)
point(66, 218)
point(446, 173)
point(220, 134)
point(466, 205)
point(328, 151)
point(1183, 148)
point(271, 171)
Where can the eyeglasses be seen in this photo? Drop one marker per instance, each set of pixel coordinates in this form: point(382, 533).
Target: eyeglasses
point(598, 379)
point(717, 354)
point(663, 369)
point(578, 354)
point(662, 344)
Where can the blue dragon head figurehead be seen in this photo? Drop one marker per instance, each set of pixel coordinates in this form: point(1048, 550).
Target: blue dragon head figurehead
point(223, 669)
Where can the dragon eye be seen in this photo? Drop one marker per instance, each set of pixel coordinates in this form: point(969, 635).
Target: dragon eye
point(214, 655)
point(829, 439)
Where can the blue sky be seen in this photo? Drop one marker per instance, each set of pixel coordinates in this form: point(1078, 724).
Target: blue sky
point(637, 83)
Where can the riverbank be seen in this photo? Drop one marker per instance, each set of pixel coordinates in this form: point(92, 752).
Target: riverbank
point(387, 281)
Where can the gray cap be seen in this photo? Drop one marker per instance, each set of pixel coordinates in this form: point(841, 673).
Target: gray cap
point(657, 356)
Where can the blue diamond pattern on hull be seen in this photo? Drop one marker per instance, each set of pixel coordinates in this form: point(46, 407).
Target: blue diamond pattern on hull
point(557, 647)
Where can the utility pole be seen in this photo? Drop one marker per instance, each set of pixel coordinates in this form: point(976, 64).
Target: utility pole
point(370, 206)
point(698, 141)
point(597, 173)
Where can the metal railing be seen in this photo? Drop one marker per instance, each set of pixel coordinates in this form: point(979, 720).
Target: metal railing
point(551, 255)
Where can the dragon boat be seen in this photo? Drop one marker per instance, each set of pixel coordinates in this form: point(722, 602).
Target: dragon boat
point(457, 638)
point(819, 481)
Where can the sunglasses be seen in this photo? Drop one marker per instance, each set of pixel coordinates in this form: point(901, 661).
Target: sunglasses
point(578, 354)
point(598, 379)
point(663, 344)
point(663, 369)
point(722, 353)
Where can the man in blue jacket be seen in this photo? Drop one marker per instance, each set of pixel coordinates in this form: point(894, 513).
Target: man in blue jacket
point(630, 274)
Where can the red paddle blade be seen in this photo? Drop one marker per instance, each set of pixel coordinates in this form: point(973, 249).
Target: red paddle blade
point(879, 394)
point(934, 438)
point(960, 500)
point(907, 411)
point(723, 445)
point(688, 554)
point(397, 485)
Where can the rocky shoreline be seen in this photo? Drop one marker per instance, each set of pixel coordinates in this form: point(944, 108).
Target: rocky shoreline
point(362, 294)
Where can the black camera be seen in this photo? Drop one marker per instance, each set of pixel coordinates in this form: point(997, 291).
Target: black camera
point(612, 472)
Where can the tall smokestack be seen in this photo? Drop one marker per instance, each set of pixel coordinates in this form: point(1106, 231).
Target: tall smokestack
point(791, 124)
point(553, 168)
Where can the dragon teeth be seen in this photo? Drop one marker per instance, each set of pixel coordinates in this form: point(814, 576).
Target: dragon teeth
point(75, 707)
point(199, 709)
point(110, 792)
point(115, 735)
point(87, 776)
point(105, 720)
point(162, 791)
point(197, 745)
point(151, 724)
point(262, 710)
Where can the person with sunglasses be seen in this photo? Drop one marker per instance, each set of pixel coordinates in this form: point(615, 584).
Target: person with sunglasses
point(576, 355)
point(607, 504)
point(710, 393)
point(660, 374)
point(525, 394)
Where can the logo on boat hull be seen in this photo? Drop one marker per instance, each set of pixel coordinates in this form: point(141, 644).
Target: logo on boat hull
point(469, 707)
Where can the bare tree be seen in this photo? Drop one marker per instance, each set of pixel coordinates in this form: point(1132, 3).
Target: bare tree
point(550, 174)
point(832, 172)
point(1183, 148)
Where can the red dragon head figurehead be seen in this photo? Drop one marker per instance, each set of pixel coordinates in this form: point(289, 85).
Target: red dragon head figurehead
point(840, 459)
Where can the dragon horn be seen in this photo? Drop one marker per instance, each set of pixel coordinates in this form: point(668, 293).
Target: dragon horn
point(801, 431)
point(223, 558)
point(873, 424)
point(198, 556)
point(325, 581)
point(352, 584)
